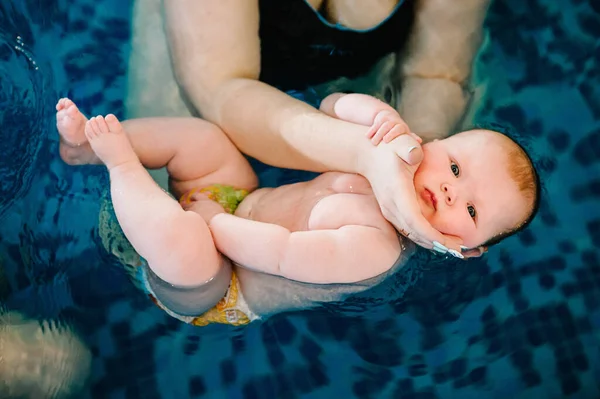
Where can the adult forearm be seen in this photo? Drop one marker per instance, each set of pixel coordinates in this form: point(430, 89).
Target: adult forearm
point(215, 50)
point(279, 130)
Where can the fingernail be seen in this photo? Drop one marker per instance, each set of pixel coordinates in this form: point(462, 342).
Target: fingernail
point(437, 247)
point(410, 150)
point(455, 253)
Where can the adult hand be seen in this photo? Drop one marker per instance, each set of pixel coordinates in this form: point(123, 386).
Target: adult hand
point(390, 168)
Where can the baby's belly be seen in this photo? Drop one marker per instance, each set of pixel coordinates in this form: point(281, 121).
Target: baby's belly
point(288, 206)
point(245, 207)
point(283, 206)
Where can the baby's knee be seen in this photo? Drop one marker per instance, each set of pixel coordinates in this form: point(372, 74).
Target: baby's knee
point(186, 238)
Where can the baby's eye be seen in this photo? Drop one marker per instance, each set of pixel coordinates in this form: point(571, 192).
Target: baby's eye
point(455, 169)
point(472, 211)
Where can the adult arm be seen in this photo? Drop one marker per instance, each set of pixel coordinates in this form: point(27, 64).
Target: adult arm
point(437, 64)
point(215, 50)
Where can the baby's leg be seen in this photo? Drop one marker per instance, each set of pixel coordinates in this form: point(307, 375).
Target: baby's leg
point(74, 147)
point(177, 245)
point(195, 152)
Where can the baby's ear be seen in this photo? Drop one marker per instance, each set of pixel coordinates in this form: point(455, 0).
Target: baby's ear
point(474, 252)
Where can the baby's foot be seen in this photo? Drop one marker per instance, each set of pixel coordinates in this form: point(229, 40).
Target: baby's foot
point(70, 122)
point(109, 141)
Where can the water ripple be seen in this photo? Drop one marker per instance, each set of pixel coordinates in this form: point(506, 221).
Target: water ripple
point(23, 114)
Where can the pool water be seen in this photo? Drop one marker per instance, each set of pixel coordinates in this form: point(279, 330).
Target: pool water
point(522, 322)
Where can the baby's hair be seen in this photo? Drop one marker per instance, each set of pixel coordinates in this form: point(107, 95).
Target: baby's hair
point(523, 171)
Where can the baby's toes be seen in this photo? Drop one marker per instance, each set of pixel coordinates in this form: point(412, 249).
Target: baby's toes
point(90, 131)
point(113, 123)
point(102, 127)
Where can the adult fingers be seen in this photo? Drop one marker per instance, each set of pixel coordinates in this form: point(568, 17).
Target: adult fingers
point(417, 137)
point(420, 231)
point(408, 149)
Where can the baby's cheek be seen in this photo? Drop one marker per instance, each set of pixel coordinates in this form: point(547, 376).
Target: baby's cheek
point(450, 224)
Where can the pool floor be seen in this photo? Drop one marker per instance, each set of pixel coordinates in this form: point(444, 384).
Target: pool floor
point(522, 322)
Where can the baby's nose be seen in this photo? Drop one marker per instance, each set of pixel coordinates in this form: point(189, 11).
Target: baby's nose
point(449, 193)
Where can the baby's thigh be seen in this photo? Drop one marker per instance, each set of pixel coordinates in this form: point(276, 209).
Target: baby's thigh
point(215, 161)
point(236, 174)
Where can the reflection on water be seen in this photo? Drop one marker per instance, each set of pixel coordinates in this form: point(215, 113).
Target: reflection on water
point(23, 118)
point(40, 360)
point(20, 46)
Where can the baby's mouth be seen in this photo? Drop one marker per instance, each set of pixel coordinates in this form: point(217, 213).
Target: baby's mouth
point(429, 197)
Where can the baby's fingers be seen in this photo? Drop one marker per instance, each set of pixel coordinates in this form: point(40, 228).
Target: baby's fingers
point(396, 131)
point(191, 196)
point(383, 130)
point(374, 128)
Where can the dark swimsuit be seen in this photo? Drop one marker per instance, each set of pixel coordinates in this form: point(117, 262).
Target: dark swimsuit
point(300, 48)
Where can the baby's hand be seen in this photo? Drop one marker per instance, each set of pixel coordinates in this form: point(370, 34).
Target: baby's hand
point(388, 125)
point(200, 203)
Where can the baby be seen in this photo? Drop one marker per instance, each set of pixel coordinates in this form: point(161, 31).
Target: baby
point(328, 230)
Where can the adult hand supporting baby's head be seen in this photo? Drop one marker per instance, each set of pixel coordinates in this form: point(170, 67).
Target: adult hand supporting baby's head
point(390, 168)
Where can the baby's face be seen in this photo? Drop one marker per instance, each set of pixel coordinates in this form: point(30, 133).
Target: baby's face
point(465, 190)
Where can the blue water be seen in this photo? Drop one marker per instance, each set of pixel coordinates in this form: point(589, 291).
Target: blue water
point(522, 322)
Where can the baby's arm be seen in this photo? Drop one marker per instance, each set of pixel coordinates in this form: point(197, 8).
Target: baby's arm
point(345, 255)
point(356, 108)
point(386, 123)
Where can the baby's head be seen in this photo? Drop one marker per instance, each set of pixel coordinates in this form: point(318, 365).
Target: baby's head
point(477, 185)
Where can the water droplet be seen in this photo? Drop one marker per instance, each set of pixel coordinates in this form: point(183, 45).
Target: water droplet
point(20, 48)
